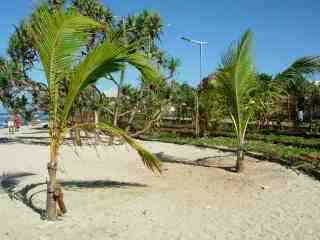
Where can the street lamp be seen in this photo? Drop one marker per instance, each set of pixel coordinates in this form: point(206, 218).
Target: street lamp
point(200, 44)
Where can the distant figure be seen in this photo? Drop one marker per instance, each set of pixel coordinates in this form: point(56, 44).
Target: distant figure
point(300, 116)
point(17, 122)
point(11, 124)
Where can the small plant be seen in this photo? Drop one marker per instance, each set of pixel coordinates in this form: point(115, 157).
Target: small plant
point(236, 83)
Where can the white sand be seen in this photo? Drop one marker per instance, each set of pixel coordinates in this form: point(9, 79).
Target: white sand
point(267, 201)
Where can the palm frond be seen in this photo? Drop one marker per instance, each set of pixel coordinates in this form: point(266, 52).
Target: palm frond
point(236, 81)
point(302, 66)
point(58, 37)
point(141, 63)
point(104, 59)
point(149, 160)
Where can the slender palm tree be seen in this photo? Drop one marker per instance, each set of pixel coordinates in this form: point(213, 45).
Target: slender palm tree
point(20, 48)
point(93, 9)
point(59, 37)
point(56, 4)
point(236, 81)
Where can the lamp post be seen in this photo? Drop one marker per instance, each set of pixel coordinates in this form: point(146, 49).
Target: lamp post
point(200, 44)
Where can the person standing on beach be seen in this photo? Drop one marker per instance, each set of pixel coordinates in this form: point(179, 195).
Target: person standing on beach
point(17, 122)
point(11, 123)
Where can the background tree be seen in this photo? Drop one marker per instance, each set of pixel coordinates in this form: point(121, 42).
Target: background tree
point(94, 9)
point(267, 97)
point(211, 108)
point(145, 27)
point(294, 79)
point(313, 102)
point(182, 99)
point(12, 87)
point(20, 49)
point(56, 4)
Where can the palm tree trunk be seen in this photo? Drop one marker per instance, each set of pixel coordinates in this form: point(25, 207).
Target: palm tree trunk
point(134, 112)
point(148, 124)
point(310, 118)
point(240, 157)
point(78, 137)
point(118, 99)
point(52, 172)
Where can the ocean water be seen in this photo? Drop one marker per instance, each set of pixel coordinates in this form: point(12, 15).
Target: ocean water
point(3, 120)
point(38, 115)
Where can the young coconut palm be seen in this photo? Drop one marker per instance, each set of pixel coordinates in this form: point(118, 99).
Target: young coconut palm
point(236, 82)
point(59, 37)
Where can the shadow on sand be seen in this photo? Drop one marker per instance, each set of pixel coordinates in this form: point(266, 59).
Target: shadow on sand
point(43, 141)
point(27, 193)
point(31, 140)
point(209, 162)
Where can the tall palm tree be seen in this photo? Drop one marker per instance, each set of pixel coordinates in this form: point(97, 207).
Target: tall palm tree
point(152, 24)
point(56, 4)
point(20, 48)
point(93, 9)
point(59, 37)
point(172, 64)
point(236, 81)
point(147, 26)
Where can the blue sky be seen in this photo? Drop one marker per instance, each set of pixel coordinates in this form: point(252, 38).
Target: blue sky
point(283, 30)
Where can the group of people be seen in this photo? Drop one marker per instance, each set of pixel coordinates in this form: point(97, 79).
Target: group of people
point(14, 123)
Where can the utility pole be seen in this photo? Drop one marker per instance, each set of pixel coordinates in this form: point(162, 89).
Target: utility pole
point(200, 44)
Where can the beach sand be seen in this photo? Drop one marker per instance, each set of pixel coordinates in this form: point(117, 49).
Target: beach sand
point(111, 195)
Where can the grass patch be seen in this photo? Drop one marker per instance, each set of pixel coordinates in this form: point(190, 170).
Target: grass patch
point(301, 158)
point(278, 139)
point(261, 146)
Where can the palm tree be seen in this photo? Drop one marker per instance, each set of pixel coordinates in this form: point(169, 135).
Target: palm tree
point(236, 81)
point(59, 37)
point(172, 64)
point(93, 9)
point(294, 79)
point(56, 4)
point(147, 26)
point(20, 48)
point(153, 25)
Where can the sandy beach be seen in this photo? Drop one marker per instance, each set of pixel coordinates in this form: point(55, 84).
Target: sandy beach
point(111, 195)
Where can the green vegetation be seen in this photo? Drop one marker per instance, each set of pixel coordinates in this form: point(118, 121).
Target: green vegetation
point(58, 38)
point(80, 42)
point(281, 139)
point(262, 146)
point(302, 158)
